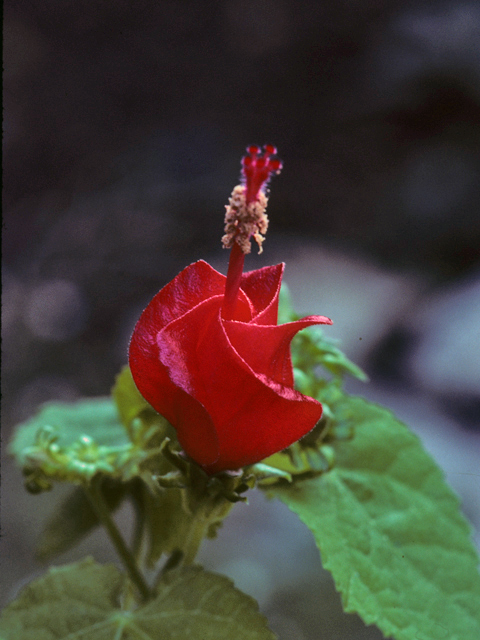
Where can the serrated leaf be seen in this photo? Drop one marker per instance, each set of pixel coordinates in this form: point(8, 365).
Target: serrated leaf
point(193, 603)
point(74, 518)
point(73, 442)
point(82, 600)
point(64, 603)
point(390, 530)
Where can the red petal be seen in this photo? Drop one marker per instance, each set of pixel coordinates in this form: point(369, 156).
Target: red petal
point(226, 386)
point(262, 287)
point(253, 416)
point(266, 349)
point(194, 284)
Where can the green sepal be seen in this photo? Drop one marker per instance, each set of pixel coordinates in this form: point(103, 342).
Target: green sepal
point(266, 473)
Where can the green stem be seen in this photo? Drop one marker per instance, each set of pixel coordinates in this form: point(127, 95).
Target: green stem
point(195, 537)
point(137, 540)
point(94, 493)
point(185, 555)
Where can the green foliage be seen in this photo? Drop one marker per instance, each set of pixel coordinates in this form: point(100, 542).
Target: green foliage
point(130, 403)
point(74, 518)
point(310, 350)
point(72, 442)
point(135, 413)
point(96, 418)
point(126, 448)
point(167, 521)
point(388, 527)
point(87, 600)
point(390, 530)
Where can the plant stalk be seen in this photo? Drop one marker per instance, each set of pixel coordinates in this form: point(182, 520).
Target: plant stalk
point(94, 493)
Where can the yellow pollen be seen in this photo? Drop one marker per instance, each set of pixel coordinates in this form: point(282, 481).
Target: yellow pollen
point(244, 221)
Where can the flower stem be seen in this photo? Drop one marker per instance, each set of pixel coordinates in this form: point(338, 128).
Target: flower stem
point(138, 532)
point(195, 537)
point(186, 555)
point(232, 285)
point(94, 493)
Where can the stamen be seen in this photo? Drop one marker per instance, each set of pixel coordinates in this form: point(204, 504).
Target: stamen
point(243, 221)
point(245, 217)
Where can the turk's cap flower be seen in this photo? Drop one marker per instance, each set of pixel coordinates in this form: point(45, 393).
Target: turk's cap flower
point(207, 352)
point(225, 385)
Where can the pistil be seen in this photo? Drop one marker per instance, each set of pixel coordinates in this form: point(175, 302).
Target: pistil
point(245, 218)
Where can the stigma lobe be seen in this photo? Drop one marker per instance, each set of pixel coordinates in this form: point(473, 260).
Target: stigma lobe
point(257, 169)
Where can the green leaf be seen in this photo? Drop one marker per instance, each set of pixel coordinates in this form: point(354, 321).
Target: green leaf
point(390, 530)
point(311, 349)
point(73, 599)
point(128, 399)
point(74, 518)
point(168, 523)
point(96, 418)
point(193, 603)
point(73, 442)
point(83, 600)
point(145, 426)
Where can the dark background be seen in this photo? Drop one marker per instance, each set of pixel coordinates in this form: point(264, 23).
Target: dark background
point(124, 124)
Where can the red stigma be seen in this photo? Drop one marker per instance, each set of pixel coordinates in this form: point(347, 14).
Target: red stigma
point(258, 168)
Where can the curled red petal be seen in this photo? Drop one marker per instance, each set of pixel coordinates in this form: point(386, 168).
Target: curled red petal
point(253, 415)
point(225, 385)
point(262, 287)
point(190, 287)
point(267, 348)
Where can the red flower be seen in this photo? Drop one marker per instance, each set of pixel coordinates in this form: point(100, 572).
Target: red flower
point(217, 366)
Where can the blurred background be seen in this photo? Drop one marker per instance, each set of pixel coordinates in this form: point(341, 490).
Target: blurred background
point(124, 124)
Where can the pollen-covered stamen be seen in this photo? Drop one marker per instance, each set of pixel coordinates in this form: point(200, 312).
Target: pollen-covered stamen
point(245, 217)
point(244, 221)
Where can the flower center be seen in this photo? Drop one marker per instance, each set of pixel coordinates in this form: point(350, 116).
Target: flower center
point(246, 218)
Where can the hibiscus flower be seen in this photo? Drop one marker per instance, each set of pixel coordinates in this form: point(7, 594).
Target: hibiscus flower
point(207, 352)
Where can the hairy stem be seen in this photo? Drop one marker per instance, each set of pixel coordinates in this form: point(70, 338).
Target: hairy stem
point(94, 493)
